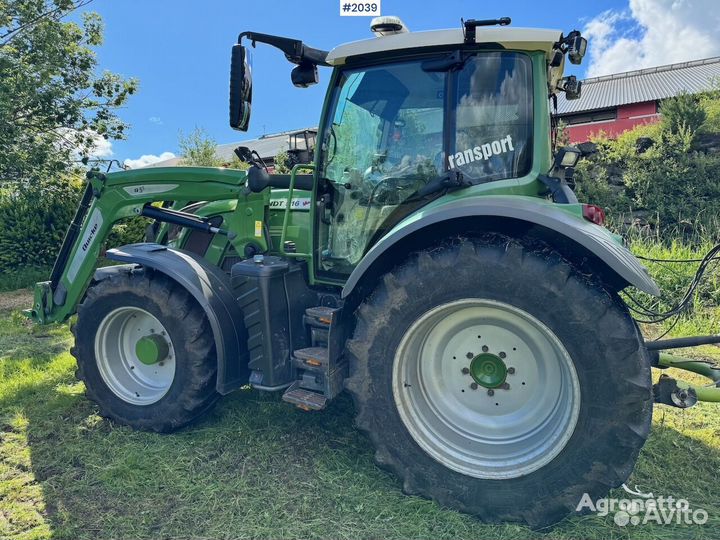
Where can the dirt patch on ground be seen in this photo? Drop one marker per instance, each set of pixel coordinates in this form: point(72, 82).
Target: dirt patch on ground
point(10, 301)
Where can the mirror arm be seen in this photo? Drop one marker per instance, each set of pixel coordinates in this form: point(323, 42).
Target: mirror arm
point(294, 49)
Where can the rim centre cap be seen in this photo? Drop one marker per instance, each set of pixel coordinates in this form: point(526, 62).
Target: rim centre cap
point(151, 349)
point(488, 370)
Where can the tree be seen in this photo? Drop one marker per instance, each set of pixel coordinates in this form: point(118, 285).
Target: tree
point(198, 149)
point(53, 106)
point(563, 134)
point(282, 162)
point(682, 113)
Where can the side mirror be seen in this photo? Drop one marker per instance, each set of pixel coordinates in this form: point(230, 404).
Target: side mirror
point(576, 49)
point(240, 88)
point(304, 75)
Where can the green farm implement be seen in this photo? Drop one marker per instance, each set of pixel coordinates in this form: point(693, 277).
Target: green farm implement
point(431, 259)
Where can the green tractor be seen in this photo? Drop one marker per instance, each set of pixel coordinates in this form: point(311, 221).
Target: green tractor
point(432, 260)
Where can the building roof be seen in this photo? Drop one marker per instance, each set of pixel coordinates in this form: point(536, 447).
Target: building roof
point(267, 146)
point(530, 39)
point(643, 85)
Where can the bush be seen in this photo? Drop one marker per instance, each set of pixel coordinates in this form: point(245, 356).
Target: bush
point(682, 113)
point(128, 231)
point(282, 163)
point(33, 222)
point(667, 184)
point(12, 280)
point(710, 102)
point(675, 185)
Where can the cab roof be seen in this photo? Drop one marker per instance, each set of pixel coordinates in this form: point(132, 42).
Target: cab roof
point(526, 39)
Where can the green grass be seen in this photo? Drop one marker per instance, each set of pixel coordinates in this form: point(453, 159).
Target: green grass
point(257, 468)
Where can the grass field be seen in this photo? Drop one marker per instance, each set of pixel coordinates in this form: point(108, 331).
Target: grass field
point(257, 468)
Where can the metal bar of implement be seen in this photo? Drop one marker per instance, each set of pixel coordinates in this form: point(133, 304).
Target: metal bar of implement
point(182, 219)
point(680, 343)
point(71, 236)
point(706, 369)
point(710, 394)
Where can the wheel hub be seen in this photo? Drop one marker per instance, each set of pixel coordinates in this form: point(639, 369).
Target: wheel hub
point(488, 370)
point(151, 349)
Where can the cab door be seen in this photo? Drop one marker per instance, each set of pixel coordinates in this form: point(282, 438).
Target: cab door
point(383, 141)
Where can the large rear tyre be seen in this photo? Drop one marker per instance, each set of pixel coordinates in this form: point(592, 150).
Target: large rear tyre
point(496, 379)
point(145, 352)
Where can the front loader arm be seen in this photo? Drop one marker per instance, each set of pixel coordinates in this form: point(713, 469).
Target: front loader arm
point(109, 198)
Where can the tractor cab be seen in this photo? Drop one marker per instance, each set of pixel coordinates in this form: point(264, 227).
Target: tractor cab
point(394, 129)
point(412, 116)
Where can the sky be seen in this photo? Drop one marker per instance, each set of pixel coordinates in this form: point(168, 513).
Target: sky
point(179, 51)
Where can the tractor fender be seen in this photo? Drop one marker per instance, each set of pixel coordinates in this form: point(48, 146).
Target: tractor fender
point(534, 212)
point(212, 290)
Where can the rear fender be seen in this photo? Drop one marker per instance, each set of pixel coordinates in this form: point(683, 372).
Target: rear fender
point(211, 288)
point(532, 213)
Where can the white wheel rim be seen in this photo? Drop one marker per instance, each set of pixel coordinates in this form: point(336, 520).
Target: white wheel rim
point(120, 368)
point(508, 434)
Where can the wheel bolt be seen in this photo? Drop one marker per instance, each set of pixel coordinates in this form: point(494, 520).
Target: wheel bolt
point(511, 371)
point(465, 371)
point(485, 348)
point(474, 385)
point(506, 386)
point(502, 355)
point(469, 355)
point(491, 392)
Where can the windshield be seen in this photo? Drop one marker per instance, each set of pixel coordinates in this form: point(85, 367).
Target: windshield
point(392, 130)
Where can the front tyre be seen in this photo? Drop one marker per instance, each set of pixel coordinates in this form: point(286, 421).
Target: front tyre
point(496, 379)
point(145, 351)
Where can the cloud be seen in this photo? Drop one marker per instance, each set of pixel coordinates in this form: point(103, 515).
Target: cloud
point(84, 143)
point(155, 120)
point(652, 33)
point(101, 148)
point(148, 159)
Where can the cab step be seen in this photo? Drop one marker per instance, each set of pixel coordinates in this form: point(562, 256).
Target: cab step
point(304, 399)
point(318, 320)
point(312, 359)
point(320, 368)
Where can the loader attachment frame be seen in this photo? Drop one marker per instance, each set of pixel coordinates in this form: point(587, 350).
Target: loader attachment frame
point(110, 198)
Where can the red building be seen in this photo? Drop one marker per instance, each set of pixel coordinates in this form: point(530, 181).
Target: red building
point(616, 103)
